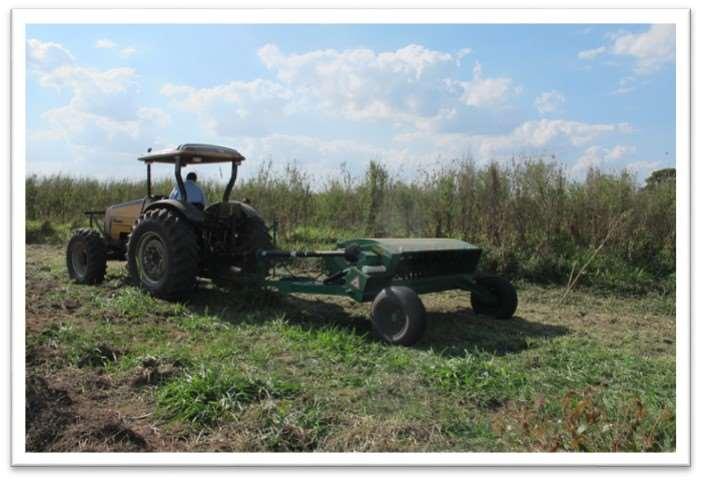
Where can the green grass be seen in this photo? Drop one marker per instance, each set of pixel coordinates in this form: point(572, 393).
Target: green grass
point(213, 395)
point(593, 373)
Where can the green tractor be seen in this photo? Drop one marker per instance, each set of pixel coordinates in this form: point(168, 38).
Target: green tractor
point(168, 244)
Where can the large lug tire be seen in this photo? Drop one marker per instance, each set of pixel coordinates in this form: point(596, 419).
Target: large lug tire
point(86, 257)
point(255, 236)
point(398, 316)
point(163, 254)
point(505, 300)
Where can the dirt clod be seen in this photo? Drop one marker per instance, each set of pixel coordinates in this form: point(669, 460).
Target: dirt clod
point(99, 356)
point(117, 434)
point(154, 371)
point(48, 412)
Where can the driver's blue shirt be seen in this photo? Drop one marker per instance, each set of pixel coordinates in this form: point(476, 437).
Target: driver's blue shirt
point(195, 193)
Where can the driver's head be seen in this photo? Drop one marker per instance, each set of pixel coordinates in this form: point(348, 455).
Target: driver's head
point(191, 176)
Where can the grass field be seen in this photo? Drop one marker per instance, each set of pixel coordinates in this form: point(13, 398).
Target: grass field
point(112, 369)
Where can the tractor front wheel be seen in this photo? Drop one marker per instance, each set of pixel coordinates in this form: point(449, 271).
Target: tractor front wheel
point(163, 254)
point(398, 316)
point(86, 257)
point(502, 300)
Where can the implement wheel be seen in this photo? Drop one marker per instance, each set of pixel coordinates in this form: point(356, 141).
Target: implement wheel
point(398, 316)
point(163, 254)
point(86, 257)
point(504, 301)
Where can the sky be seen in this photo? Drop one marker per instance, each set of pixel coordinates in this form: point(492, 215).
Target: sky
point(414, 97)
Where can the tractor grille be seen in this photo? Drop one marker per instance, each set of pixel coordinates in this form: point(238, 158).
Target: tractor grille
point(420, 264)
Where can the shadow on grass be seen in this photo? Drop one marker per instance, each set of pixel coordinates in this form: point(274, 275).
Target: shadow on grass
point(453, 333)
point(250, 305)
point(449, 333)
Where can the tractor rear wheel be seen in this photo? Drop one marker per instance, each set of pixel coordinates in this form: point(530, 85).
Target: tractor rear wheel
point(398, 315)
point(163, 254)
point(255, 236)
point(504, 297)
point(86, 257)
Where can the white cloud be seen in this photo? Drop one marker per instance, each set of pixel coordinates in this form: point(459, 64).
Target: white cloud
point(90, 130)
point(651, 49)
point(105, 43)
point(408, 153)
point(103, 110)
point(539, 133)
point(322, 157)
point(619, 151)
point(124, 52)
point(44, 56)
point(236, 108)
point(154, 115)
point(549, 102)
point(104, 92)
point(625, 85)
point(486, 92)
point(643, 168)
point(592, 53)
point(127, 52)
point(592, 158)
point(596, 156)
point(463, 52)
point(412, 86)
point(545, 136)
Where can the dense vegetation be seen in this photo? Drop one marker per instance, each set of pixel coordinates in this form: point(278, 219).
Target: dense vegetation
point(534, 222)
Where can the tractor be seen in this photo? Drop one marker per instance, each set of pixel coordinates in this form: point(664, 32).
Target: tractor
point(168, 244)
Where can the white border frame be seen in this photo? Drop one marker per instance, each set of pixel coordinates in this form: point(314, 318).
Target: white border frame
point(680, 17)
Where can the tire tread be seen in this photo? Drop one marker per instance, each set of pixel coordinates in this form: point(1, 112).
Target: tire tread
point(96, 252)
point(182, 244)
point(413, 308)
point(508, 300)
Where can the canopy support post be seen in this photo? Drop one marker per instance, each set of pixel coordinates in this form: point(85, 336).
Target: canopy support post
point(179, 179)
point(232, 179)
point(148, 179)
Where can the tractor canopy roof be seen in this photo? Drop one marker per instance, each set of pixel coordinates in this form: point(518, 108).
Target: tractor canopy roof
point(194, 154)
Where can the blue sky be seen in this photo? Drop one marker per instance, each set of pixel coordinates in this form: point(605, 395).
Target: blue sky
point(412, 96)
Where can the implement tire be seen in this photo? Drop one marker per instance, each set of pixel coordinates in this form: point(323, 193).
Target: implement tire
point(86, 257)
point(505, 303)
point(163, 254)
point(398, 316)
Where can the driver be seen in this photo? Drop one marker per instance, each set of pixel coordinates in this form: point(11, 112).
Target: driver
point(196, 196)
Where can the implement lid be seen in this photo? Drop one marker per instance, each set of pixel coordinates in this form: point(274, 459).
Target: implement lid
point(399, 246)
point(194, 154)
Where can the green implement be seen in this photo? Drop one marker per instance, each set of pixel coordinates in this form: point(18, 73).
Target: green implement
point(391, 273)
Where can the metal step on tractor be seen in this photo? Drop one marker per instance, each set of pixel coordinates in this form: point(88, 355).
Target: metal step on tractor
point(168, 244)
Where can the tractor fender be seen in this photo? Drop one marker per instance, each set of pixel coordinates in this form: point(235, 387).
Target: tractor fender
point(187, 210)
